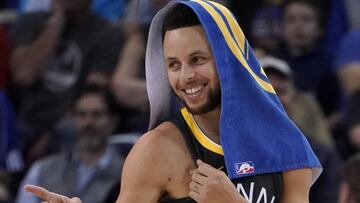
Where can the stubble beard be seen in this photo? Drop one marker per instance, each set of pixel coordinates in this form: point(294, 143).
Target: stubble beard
point(212, 102)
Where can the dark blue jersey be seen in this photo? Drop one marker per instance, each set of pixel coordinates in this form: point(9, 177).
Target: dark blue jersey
point(266, 188)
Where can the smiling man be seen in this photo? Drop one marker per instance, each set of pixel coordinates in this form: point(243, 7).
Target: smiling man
point(200, 147)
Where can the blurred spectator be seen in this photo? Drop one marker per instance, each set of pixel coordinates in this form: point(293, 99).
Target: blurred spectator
point(53, 54)
point(311, 66)
point(111, 10)
point(266, 26)
point(348, 62)
point(350, 187)
point(280, 75)
point(90, 168)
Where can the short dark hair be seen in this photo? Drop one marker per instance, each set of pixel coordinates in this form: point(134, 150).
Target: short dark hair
point(109, 100)
point(178, 17)
point(352, 175)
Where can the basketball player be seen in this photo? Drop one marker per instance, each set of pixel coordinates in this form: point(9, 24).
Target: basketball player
point(181, 160)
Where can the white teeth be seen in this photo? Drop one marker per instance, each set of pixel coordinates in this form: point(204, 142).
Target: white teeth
point(193, 90)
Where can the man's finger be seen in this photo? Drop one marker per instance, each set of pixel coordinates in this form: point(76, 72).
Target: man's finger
point(75, 199)
point(205, 169)
point(195, 196)
point(199, 178)
point(39, 191)
point(194, 186)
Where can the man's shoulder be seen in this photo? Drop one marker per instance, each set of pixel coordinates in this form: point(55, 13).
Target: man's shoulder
point(164, 141)
point(165, 133)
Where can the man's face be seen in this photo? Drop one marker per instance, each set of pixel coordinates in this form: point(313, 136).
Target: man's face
point(92, 120)
point(284, 90)
point(301, 25)
point(191, 69)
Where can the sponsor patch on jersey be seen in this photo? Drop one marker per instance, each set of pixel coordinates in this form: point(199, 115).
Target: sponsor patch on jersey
point(244, 167)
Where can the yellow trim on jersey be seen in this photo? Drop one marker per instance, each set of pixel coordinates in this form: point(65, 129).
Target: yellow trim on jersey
point(231, 42)
point(199, 135)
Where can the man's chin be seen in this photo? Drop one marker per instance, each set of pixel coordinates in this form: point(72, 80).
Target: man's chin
point(199, 110)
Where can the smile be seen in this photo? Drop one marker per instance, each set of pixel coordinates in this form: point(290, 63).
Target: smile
point(194, 91)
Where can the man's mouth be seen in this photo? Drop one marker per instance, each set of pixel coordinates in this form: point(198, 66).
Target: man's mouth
point(194, 91)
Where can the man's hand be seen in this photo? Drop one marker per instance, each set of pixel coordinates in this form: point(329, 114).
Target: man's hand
point(210, 185)
point(50, 197)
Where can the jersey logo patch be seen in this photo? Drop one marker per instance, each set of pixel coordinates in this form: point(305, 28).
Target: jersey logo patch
point(244, 167)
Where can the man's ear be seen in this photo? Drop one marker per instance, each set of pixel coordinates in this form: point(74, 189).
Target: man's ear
point(345, 195)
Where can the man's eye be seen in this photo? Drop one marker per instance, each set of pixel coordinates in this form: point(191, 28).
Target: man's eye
point(174, 65)
point(198, 60)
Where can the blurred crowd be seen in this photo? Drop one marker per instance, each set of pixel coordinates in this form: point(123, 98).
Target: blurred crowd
point(73, 94)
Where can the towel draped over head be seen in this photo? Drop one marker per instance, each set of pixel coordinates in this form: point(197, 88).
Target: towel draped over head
point(255, 130)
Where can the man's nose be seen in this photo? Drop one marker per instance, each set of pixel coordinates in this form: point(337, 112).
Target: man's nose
point(187, 73)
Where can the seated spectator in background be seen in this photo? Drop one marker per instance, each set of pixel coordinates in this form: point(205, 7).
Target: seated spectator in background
point(306, 114)
point(350, 187)
point(90, 168)
point(347, 63)
point(302, 29)
point(53, 54)
point(266, 26)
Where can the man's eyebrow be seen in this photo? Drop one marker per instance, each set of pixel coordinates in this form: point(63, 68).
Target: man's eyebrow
point(167, 59)
point(197, 52)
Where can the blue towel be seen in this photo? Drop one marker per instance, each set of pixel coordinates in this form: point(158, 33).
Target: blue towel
point(257, 136)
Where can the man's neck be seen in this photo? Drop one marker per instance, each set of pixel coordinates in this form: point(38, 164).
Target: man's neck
point(209, 124)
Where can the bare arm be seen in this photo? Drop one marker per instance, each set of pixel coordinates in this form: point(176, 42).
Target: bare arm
point(297, 185)
point(145, 172)
point(28, 61)
point(128, 86)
